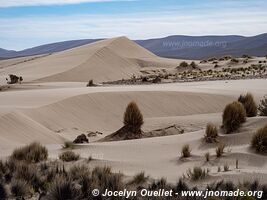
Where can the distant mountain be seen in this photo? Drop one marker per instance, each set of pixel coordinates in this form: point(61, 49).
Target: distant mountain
point(180, 46)
point(201, 47)
point(47, 48)
point(4, 52)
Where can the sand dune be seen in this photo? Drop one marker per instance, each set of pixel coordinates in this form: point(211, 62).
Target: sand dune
point(17, 129)
point(106, 60)
point(104, 111)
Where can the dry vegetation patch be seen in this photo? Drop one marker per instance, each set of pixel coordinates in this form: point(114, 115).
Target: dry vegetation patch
point(259, 140)
point(234, 115)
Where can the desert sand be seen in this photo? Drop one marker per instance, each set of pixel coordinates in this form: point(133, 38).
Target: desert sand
point(53, 105)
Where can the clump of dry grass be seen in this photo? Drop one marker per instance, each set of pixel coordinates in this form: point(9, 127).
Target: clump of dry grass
point(104, 179)
point(259, 140)
point(211, 133)
point(34, 152)
point(234, 115)
point(249, 104)
point(63, 188)
point(3, 191)
point(197, 173)
point(186, 151)
point(183, 64)
point(207, 156)
point(263, 106)
point(220, 150)
point(90, 83)
point(139, 179)
point(133, 117)
point(69, 156)
point(226, 167)
point(19, 188)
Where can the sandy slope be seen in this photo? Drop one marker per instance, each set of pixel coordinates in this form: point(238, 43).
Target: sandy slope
point(106, 60)
point(104, 111)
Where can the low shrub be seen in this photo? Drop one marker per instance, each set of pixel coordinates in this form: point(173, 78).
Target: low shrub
point(259, 140)
point(158, 184)
point(69, 156)
point(104, 179)
point(234, 115)
point(193, 65)
point(249, 104)
point(34, 152)
point(63, 188)
point(3, 192)
point(186, 151)
point(139, 179)
point(234, 60)
point(226, 167)
point(183, 64)
point(197, 173)
point(90, 83)
point(207, 157)
point(263, 106)
point(211, 133)
point(19, 188)
point(133, 116)
point(220, 150)
point(76, 172)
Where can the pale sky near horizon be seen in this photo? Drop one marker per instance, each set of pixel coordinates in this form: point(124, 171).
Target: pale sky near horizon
point(28, 23)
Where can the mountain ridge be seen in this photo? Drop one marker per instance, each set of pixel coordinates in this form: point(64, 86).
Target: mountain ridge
point(174, 46)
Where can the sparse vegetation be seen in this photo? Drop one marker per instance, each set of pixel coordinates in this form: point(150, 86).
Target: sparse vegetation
point(211, 133)
point(234, 60)
point(249, 104)
point(69, 156)
point(183, 64)
point(133, 117)
point(220, 150)
point(3, 191)
point(51, 180)
point(226, 167)
point(20, 188)
point(186, 151)
point(207, 156)
point(197, 173)
point(263, 106)
point(259, 140)
point(139, 179)
point(193, 65)
point(90, 83)
point(34, 152)
point(234, 115)
point(63, 188)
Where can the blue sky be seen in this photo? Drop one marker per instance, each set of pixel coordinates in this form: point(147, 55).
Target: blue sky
point(28, 23)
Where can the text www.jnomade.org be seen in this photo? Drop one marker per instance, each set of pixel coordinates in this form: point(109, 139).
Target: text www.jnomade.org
point(170, 193)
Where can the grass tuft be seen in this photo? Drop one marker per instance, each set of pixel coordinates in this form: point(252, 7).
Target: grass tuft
point(211, 133)
point(234, 115)
point(186, 151)
point(34, 152)
point(259, 140)
point(69, 156)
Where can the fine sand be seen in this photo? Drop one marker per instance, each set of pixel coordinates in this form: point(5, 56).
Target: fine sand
point(54, 105)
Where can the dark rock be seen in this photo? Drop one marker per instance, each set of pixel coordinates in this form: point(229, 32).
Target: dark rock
point(81, 139)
